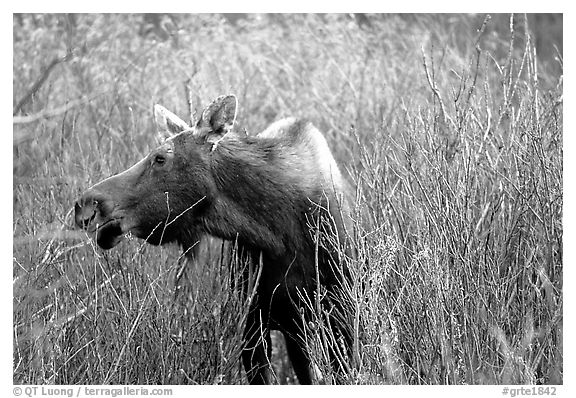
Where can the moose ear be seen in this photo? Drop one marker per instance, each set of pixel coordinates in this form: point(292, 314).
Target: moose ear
point(167, 123)
point(220, 115)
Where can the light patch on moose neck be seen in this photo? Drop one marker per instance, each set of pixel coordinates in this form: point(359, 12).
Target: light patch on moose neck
point(311, 151)
point(278, 128)
point(324, 159)
point(307, 142)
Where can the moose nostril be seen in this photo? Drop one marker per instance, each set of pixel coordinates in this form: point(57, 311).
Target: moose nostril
point(87, 221)
point(86, 210)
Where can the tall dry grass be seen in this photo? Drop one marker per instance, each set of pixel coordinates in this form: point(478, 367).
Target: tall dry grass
point(450, 128)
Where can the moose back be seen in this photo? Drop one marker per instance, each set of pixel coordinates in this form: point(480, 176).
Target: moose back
point(274, 194)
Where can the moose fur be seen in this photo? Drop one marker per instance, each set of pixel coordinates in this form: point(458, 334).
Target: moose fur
point(274, 194)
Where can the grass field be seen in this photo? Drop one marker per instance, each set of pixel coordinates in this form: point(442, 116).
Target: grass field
point(449, 126)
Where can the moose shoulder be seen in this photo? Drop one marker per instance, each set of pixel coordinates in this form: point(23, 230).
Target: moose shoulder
point(274, 194)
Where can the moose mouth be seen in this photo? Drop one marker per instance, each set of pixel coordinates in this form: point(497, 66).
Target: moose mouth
point(109, 234)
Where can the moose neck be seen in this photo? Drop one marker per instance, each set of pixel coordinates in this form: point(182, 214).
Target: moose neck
point(257, 200)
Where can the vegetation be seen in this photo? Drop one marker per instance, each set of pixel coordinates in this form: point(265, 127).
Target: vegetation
point(448, 127)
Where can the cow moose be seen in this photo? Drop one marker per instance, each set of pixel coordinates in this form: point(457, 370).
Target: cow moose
point(273, 194)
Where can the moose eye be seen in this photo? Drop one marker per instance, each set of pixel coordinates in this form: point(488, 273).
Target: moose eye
point(159, 159)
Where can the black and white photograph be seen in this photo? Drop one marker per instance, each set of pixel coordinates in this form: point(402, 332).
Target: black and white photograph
point(287, 198)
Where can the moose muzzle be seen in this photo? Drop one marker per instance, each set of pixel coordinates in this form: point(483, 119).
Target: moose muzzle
point(94, 213)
